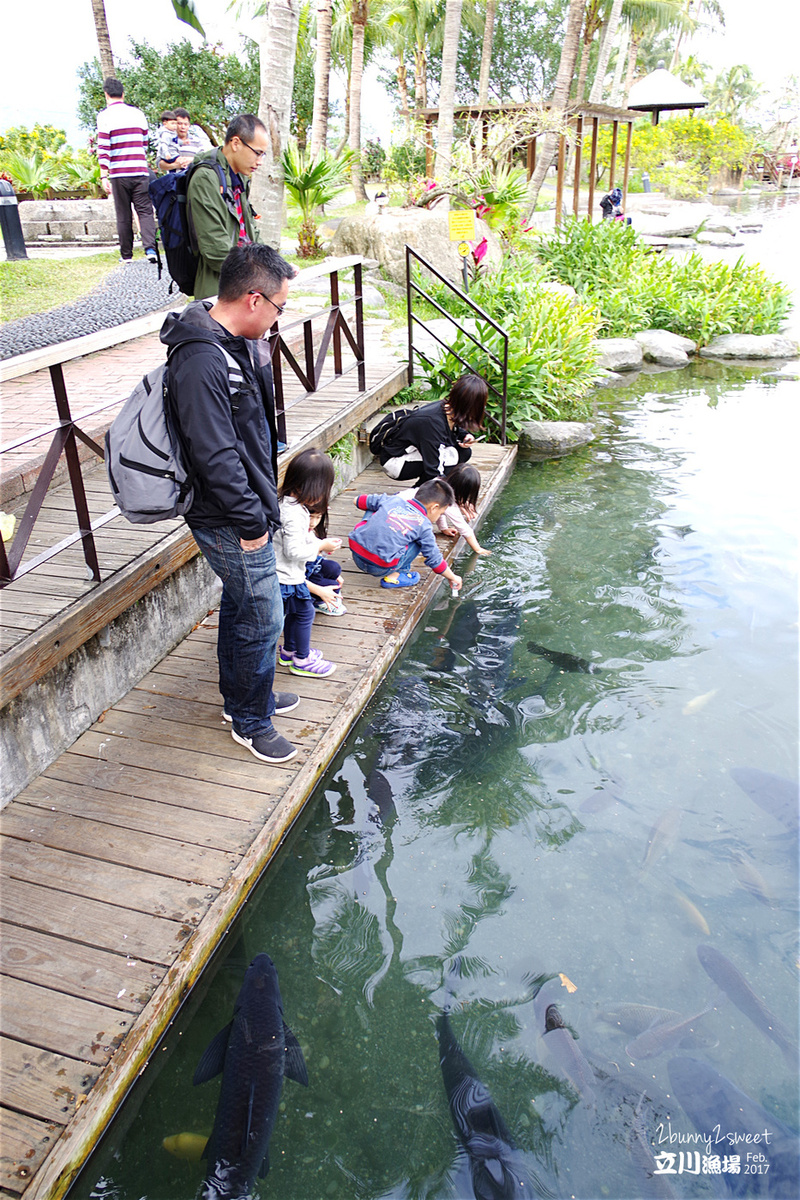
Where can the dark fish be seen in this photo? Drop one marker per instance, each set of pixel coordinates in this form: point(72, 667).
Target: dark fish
point(565, 661)
point(642, 1154)
point(254, 1053)
point(379, 790)
point(773, 793)
point(566, 1052)
point(726, 1117)
point(495, 1163)
point(735, 986)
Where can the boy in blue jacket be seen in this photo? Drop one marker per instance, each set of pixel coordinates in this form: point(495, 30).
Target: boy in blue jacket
point(396, 530)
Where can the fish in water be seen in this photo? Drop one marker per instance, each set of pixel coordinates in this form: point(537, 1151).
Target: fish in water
point(563, 661)
point(732, 1121)
point(636, 1018)
point(495, 1163)
point(566, 1052)
point(773, 793)
point(254, 1053)
point(691, 912)
point(738, 990)
point(750, 879)
point(662, 1036)
point(662, 836)
point(642, 1154)
point(698, 702)
point(188, 1146)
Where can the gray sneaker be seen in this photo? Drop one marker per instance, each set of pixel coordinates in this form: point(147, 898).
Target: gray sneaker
point(269, 747)
point(285, 702)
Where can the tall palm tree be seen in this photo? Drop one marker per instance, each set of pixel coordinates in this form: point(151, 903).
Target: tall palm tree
point(103, 39)
point(486, 52)
point(277, 50)
point(566, 70)
point(610, 28)
point(691, 10)
point(360, 14)
point(648, 17)
point(322, 75)
point(447, 90)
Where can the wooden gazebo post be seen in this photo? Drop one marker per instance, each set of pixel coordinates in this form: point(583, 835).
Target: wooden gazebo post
point(576, 186)
point(592, 168)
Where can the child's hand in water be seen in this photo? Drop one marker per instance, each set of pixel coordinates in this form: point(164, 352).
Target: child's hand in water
point(329, 545)
point(480, 550)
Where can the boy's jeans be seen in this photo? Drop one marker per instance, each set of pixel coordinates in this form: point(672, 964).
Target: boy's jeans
point(250, 623)
point(403, 563)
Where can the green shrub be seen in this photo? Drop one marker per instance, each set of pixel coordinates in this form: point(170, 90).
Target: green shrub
point(406, 159)
point(634, 289)
point(373, 156)
point(42, 138)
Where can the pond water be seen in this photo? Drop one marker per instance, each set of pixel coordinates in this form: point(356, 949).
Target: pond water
point(526, 816)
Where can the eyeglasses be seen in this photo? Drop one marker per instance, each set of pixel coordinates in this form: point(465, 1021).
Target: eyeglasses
point(258, 153)
point(279, 307)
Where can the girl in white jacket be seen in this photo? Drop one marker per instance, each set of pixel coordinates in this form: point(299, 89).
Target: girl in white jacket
point(304, 499)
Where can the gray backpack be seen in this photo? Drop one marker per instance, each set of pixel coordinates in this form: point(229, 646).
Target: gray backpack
point(148, 476)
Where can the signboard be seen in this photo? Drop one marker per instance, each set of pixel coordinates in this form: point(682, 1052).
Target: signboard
point(464, 249)
point(462, 225)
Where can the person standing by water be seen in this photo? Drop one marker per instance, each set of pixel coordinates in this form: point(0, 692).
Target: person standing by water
point(124, 174)
point(433, 439)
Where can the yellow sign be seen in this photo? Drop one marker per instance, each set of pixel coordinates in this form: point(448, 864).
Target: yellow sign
point(464, 249)
point(462, 225)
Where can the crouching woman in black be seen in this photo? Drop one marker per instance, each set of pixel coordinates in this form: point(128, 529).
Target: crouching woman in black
point(433, 439)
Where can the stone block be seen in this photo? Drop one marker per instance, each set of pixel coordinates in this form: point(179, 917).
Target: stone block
point(68, 231)
point(102, 228)
point(618, 354)
point(665, 348)
point(751, 345)
point(32, 230)
point(552, 439)
point(385, 237)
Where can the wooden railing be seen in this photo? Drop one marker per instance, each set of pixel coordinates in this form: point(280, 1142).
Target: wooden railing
point(68, 431)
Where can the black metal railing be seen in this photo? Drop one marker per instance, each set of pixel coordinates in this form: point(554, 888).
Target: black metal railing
point(414, 288)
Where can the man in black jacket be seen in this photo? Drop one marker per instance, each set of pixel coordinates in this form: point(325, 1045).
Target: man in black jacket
point(220, 393)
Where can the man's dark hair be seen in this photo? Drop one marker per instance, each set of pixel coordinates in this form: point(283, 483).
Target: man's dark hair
point(243, 127)
point(113, 88)
point(168, 115)
point(181, 112)
point(435, 491)
point(467, 401)
point(252, 268)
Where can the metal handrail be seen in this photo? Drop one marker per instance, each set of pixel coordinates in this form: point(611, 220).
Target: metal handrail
point(67, 432)
point(413, 318)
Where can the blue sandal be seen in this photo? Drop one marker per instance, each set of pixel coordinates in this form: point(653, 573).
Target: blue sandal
point(404, 579)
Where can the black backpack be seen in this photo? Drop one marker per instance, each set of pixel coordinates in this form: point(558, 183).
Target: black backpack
point(386, 426)
point(169, 196)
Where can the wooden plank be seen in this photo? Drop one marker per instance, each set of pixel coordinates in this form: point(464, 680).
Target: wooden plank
point(40, 1084)
point(24, 1145)
point(64, 1024)
point(209, 714)
point(104, 925)
point(146, 816)
point(68, 967)
point(110, 883)
point(56, 640)
point(160, 855)
point(195, 794)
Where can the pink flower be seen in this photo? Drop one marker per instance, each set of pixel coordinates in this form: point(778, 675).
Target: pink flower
point(479, 251)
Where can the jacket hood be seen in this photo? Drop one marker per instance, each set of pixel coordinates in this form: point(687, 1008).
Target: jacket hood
point(194, 324)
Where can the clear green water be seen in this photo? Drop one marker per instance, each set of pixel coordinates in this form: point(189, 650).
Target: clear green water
point(517, 806)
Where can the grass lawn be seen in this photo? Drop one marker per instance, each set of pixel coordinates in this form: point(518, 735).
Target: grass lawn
point(36, 285)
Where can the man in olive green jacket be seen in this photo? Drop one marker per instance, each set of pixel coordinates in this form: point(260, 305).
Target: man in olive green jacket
point(224, 219)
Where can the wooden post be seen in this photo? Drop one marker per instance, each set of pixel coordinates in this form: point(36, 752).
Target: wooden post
point(429, 147)
point(627, 166)
point(592, 167)
point(613, 166)
point(576, 187)
point(531, 157)
point(562, 150)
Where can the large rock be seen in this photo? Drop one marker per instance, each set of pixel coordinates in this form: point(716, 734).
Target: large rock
point(551, 439)
point(682, 220)
point(708, 238)
point(665, 348)
point(618, 354)
point(751, 345)
point(385, 236)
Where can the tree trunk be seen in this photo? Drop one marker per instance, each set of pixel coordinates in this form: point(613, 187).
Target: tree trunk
point(447, 90)
point(580, 87)
point(360, 12)
point(322, 76)
point(615, 99)
point(609, 33)
point(566, 70)
point(402, 84)
point(277, 49)
point(486, 52)
point(633, 54)
point(420, 77)
point(103, 40)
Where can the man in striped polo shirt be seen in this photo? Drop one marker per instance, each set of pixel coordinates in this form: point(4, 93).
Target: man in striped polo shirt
point(122, 154)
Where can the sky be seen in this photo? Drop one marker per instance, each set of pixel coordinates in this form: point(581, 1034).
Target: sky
point(42, 85)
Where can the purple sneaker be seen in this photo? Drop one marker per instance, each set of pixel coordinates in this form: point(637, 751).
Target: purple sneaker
point(315, 666)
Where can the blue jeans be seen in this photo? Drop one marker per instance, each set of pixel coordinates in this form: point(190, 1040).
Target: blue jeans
point(403, 563)
point(250, 623)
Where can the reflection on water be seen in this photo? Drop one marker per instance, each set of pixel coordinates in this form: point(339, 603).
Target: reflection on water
point(573, 779)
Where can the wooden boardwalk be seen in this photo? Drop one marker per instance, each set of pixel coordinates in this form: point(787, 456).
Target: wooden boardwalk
point(124, 863)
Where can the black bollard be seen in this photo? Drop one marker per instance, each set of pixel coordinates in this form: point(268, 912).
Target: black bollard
point(13, 239)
